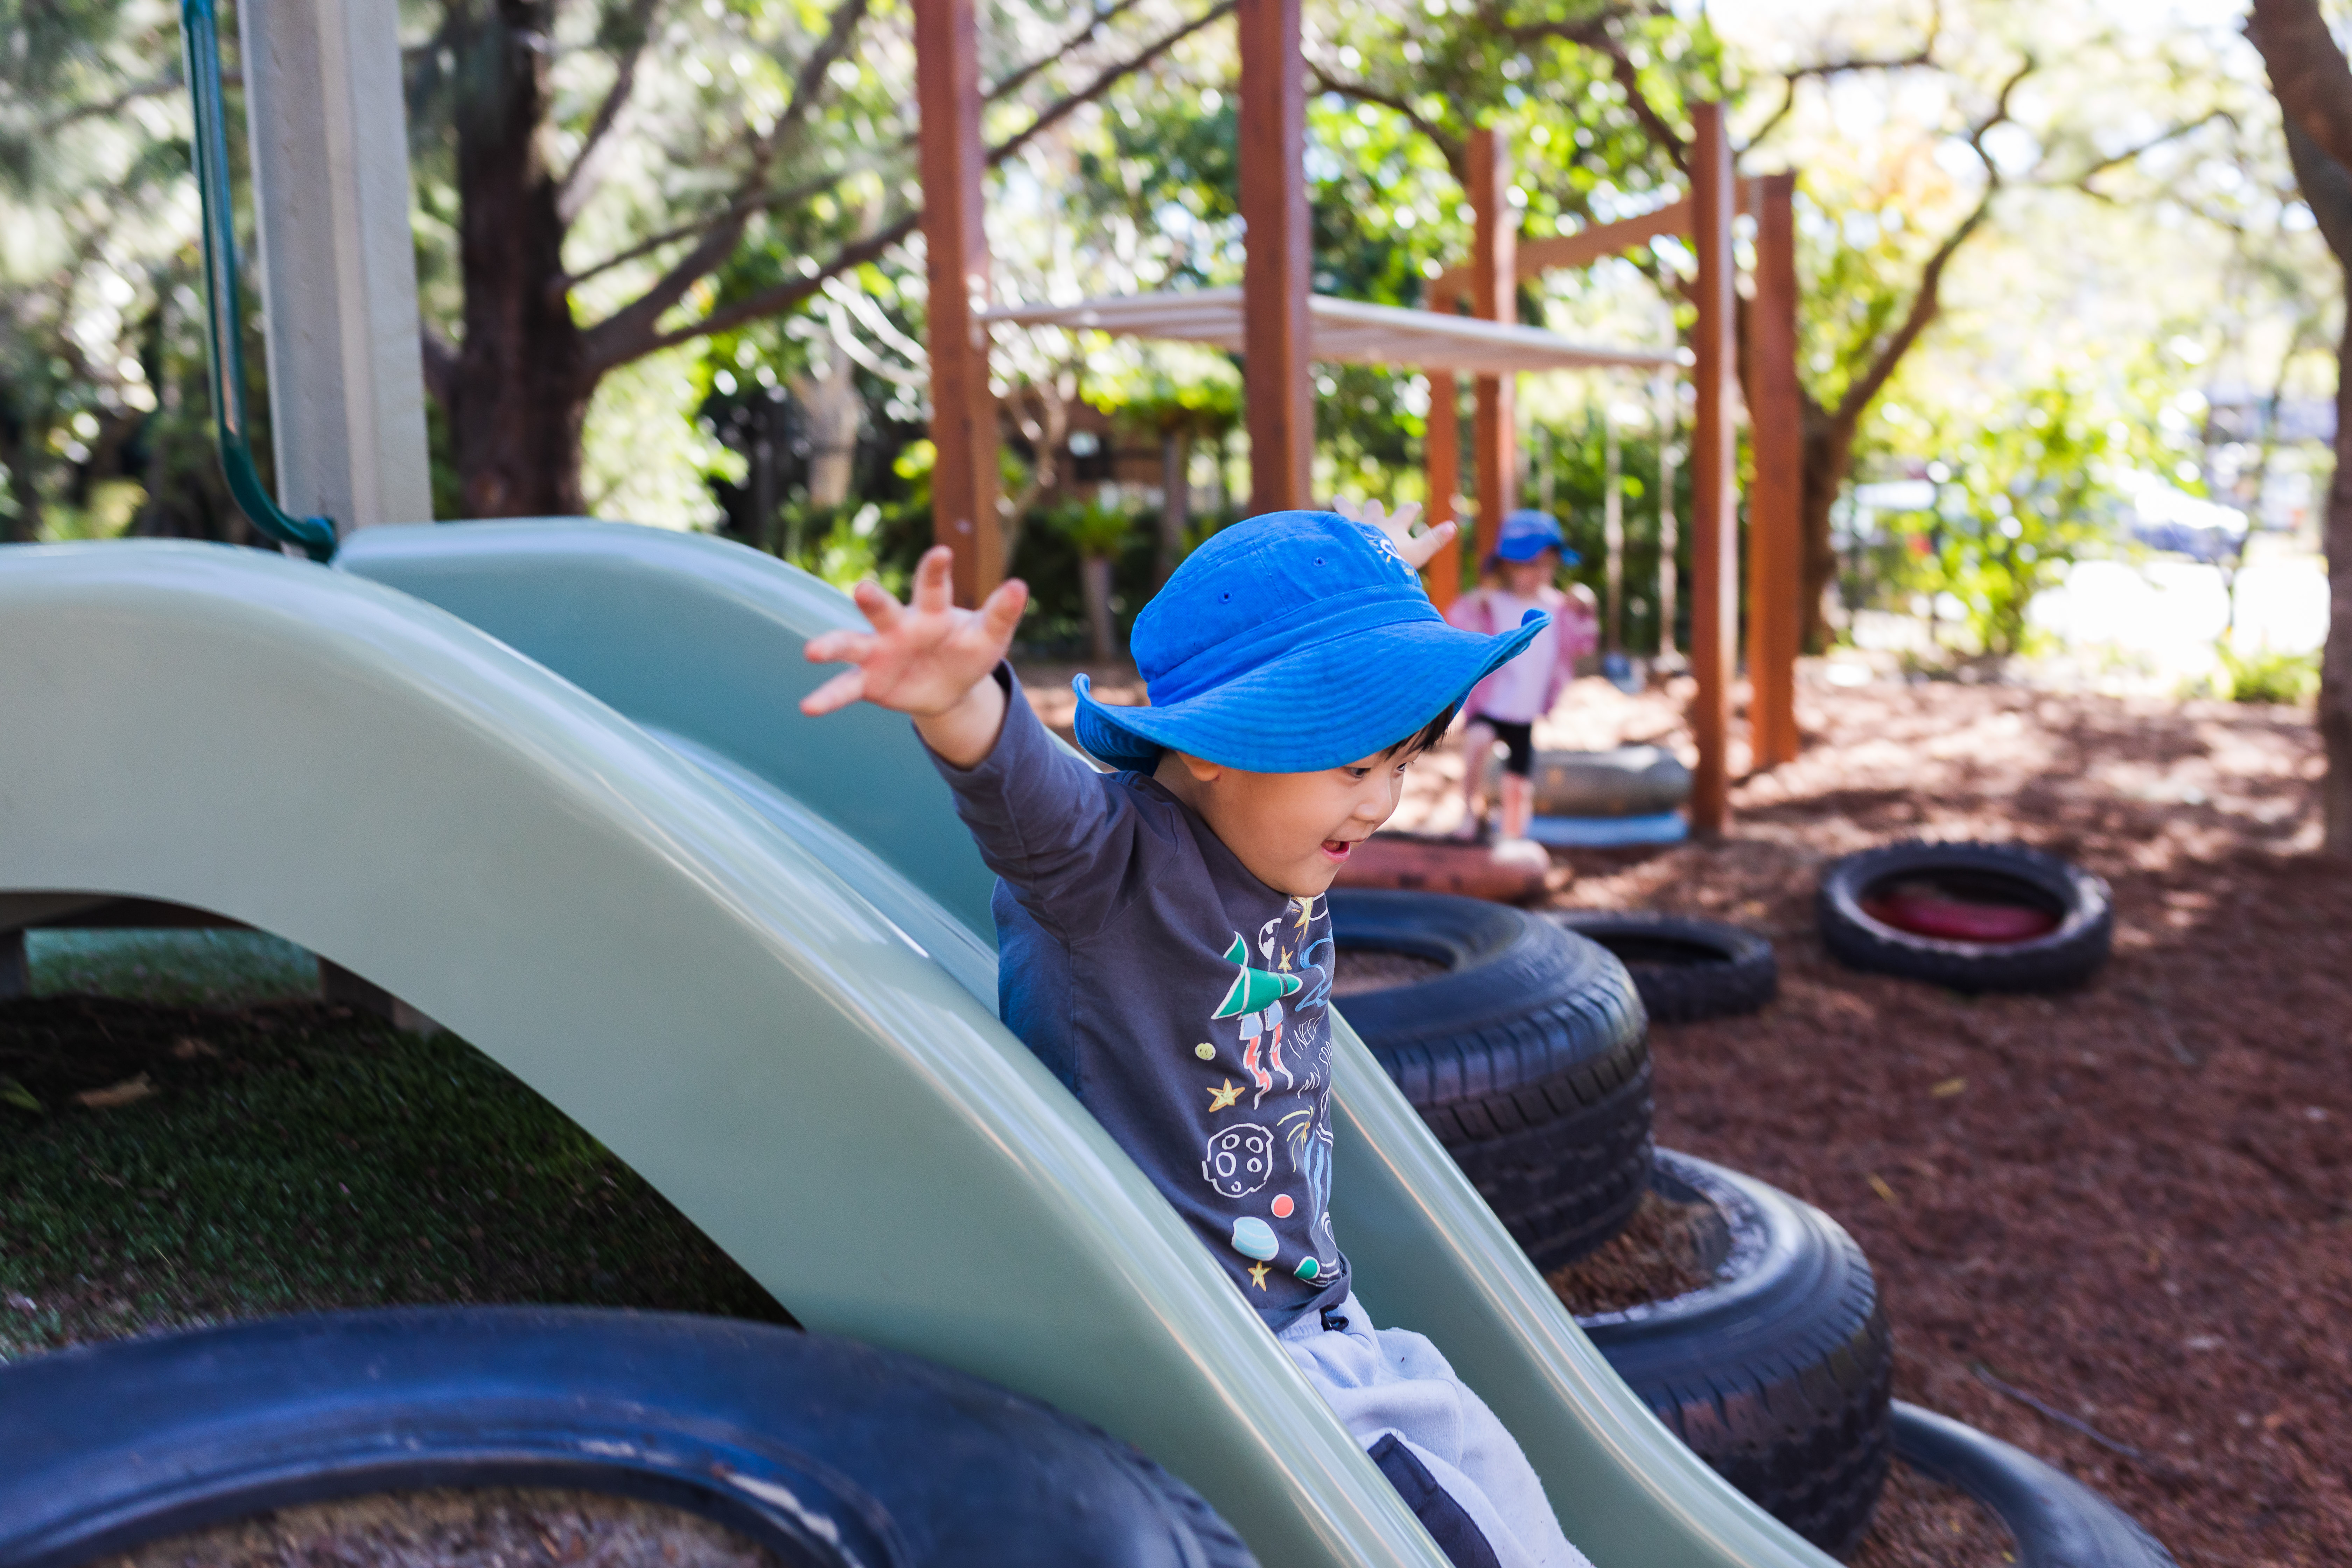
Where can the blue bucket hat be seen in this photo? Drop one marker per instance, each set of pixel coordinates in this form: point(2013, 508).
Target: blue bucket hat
point(1528, 533)
point(1287, 644)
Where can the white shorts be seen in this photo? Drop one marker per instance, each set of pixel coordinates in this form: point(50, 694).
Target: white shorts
point(1392, 1383)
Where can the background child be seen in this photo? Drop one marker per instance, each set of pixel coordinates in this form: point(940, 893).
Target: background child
point(1164, 941)
point(1514, 582)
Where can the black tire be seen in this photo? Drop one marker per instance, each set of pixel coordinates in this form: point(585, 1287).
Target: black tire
point(1529, 1057)
point(2065, 957)
point(2054, 1520)
point(1778, 1374)
point(824, 1450)
point(1687, 969)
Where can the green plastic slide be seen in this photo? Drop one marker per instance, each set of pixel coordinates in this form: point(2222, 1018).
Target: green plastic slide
point(547, 782)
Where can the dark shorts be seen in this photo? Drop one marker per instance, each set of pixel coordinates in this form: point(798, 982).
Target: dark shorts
point(1519, 744)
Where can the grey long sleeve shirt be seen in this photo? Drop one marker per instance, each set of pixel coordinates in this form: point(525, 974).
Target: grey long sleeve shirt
point(1177, 996)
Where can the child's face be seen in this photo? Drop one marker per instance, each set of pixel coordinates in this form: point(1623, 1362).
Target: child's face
point(1293, 831)
point(1525, 578)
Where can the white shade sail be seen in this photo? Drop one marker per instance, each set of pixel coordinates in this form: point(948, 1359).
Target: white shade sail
point(1342, 329)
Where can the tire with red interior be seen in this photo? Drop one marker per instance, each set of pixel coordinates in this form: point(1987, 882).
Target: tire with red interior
point(1972, 917)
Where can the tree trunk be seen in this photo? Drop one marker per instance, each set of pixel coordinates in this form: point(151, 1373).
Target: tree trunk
point(2335, 664)
point(834, 411)
point(1828, 454)
point(1175, 502)
point(1094, 583)
point(520, 394)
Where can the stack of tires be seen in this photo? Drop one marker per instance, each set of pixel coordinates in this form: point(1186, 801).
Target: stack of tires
point(1522, 1039)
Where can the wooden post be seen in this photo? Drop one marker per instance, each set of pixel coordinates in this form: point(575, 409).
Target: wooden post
point(1441, 453)
point(1668, 396)
point(1715, 527)
point(1277, 379)
point(963, 414)
point(1494, 265)
point(1612, 528)
point(1775, 437)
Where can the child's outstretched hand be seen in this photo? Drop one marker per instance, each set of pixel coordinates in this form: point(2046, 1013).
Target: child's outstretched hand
point(1418, 549)
point(926, 658)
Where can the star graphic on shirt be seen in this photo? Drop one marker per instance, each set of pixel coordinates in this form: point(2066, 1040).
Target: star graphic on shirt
point(1220, 1098)
point(1286, 960)
point(1258, 1274)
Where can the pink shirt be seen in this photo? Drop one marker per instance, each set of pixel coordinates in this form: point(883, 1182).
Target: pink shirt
point(1524, 689)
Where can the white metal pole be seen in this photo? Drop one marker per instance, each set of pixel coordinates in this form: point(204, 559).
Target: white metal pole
point(328, 134)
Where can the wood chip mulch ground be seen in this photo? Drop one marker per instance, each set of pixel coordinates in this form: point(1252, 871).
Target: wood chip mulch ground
point(2112, 1227)
point(494, 1527)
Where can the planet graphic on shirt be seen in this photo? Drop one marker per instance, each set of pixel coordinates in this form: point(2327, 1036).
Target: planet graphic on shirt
point(1308, 1269)
point(1282, 1205)
point(1253, 1238)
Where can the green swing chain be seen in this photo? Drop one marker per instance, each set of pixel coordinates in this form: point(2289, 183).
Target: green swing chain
point(200, 46)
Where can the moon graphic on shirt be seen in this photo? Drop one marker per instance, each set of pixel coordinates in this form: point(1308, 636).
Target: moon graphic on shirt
point(1240, 1161)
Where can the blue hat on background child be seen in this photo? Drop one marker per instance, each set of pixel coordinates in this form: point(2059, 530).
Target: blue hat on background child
point(1527, 533)
point(1287, 644)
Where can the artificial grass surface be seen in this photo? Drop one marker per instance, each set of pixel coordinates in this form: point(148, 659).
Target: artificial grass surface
point(289, 1155)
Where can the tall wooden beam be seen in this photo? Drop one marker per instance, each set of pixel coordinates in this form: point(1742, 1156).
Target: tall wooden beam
point(1715, 526)
point(1775, 502)
point(1277, 379)
point(1584, 247)
point(1495, 267)
point(963, 414)
point(1442, 454)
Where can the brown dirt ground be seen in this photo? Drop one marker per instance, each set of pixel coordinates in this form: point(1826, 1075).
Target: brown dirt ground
point(2132, 1203)
point(494, 1528)
point(1923, 1523)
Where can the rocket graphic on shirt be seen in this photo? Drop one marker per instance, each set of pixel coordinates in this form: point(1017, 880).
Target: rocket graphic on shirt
point(1255, 998)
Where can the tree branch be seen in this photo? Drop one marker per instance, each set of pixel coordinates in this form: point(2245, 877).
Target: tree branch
point(2308, 73)
point(1448, 145)
point(1109, 77)
point(1594, 36)
point(1926, 301)
point(1922, 57)
point(783, 296)
point(605, 345)
point(155, 88)
point(580, 182)
point(2082, 182)
point(1095, 24)
point(742, 208)
point(631, 334)
point(440, 365)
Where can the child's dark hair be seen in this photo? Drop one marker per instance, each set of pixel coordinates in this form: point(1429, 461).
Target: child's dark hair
point(1426, 738)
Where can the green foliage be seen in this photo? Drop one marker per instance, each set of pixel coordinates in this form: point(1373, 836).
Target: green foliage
point(2029, 486)
point(2267, 677)
point(1096, 529)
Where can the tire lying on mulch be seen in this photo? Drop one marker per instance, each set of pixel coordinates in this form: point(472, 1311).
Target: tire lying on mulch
point(2055, 1520)
point(824, 1451)
point(1525, 1049)
point(1687, 969)
point(1972, 917)
point(1777, 1373)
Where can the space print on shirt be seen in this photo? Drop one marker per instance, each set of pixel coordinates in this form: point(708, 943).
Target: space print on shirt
point(1240, 1159)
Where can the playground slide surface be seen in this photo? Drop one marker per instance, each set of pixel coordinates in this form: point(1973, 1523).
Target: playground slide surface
point(548, 783)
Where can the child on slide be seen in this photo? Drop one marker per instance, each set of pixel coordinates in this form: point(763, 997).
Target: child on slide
point(1515, 581)
point(1165, 940)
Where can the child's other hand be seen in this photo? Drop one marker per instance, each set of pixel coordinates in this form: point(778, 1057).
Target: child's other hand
point(1418, 551)
point(923, 658)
